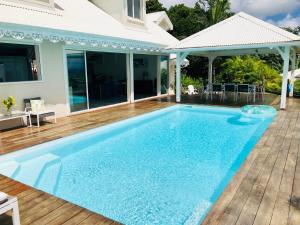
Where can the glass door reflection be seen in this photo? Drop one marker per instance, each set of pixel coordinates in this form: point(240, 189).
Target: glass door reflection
point(77, 81)
point(164, 74)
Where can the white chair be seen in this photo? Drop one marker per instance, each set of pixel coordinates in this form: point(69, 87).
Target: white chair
point(192, 90)
point(10, 203)
point(36, 108)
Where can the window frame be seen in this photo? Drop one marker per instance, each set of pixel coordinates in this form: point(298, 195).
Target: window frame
point(133, 11)
point(40, 63)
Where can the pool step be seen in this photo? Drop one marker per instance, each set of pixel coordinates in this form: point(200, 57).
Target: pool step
point(9, 168)
point(31, 169)
point(49, 176)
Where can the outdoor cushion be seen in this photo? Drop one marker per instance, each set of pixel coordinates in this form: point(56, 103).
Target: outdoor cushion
point(37, 105)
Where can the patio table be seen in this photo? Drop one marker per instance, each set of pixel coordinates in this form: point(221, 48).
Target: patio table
point(18, 115)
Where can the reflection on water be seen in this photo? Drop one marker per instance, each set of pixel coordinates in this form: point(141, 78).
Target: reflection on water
point(243, 120)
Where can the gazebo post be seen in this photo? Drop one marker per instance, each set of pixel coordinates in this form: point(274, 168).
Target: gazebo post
point(285, 54)
point(178, 77)
point(210, 69)
point(293, 58)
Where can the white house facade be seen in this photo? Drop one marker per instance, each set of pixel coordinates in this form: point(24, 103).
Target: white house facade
point(82, 55)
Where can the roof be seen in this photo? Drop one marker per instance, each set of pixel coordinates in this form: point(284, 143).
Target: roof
point(240, 30)
point(68, 19)
point(296, 74)
point(161, 18)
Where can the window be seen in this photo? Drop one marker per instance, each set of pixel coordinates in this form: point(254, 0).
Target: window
point(134, 8)
point(19, 63)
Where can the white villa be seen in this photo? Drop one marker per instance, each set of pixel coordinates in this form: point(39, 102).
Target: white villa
point(82, 55)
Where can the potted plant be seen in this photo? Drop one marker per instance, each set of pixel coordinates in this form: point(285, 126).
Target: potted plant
point(8, 104)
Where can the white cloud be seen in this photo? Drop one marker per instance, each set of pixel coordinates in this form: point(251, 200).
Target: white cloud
point(168, 3)
point(288, 21)
point(265, 8)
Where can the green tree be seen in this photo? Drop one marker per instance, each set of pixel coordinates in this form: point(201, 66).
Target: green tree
point(154, 6)
point(215, 10)
point(295, 30)
point(185, 20)
point(273, 60)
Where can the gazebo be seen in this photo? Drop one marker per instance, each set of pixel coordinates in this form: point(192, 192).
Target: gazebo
point(240, 34)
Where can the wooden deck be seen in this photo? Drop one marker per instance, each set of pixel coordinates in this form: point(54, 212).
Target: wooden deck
point(259, 194)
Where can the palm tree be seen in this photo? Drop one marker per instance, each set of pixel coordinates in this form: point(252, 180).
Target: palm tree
point(216, 10)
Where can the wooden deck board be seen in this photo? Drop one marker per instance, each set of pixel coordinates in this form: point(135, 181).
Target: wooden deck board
point(259, 194)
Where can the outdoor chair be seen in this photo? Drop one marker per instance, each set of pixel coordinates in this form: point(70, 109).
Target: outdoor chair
point(252, 90)
point(201, 92)
point(192, 90)
point(230, 89)
point(37, 110)
point(260, 93)
point(243, 89)
point(217, 89)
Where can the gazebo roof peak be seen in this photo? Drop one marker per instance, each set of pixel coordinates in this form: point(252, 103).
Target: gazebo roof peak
point(239, 31)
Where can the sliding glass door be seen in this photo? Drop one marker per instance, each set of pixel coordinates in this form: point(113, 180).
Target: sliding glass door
point(145, 76)
point(77, 81)
point(99, 79)
point(107, 77)
point(96, 79)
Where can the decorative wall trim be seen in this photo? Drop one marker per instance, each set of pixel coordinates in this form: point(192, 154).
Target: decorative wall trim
point(78, 39)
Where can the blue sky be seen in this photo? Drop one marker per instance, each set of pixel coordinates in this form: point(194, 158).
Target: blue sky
point(284, 13)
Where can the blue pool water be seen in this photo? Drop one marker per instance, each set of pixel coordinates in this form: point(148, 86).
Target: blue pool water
point(166, 167)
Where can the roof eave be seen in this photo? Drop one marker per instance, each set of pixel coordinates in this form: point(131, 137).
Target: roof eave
point(235, 47)
point(8, 29)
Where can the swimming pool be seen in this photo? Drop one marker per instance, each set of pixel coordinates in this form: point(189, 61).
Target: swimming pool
point(165, 167)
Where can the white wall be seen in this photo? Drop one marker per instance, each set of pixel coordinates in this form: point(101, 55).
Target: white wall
point(52, 86)
point(118, 9)
point(115, 8)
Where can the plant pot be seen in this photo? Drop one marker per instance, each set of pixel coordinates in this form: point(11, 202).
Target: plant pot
point(8, 112)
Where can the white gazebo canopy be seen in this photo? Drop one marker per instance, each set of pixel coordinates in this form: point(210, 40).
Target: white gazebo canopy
point(240, 34)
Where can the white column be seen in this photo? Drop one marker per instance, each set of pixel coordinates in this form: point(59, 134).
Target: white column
point(210, 69)
point(285, 54)
point(158, 76)
point(294, 58)
point(130, 78)
point(178, 77)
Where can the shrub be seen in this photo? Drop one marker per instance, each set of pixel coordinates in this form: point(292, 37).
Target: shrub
point(274, 88)
point(187, 80)
point(250, 70)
